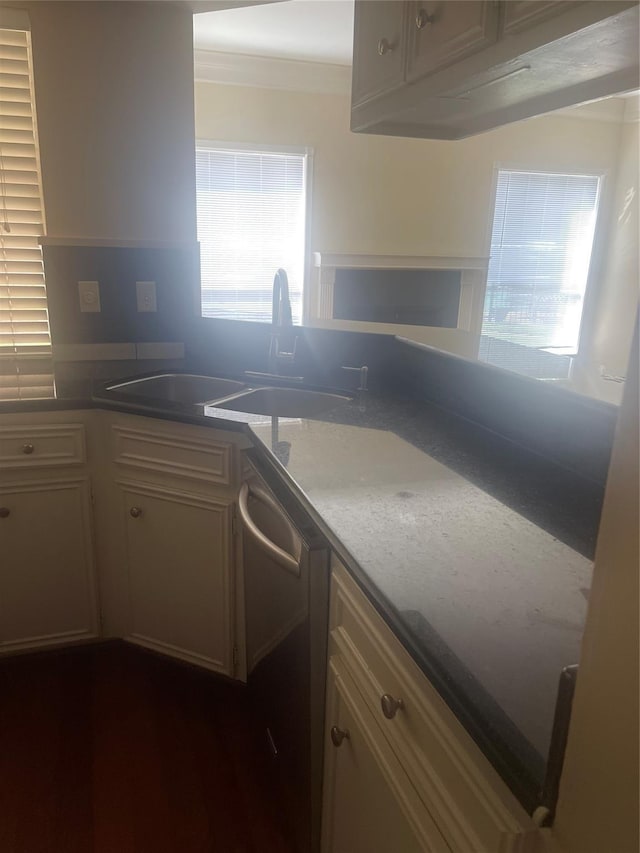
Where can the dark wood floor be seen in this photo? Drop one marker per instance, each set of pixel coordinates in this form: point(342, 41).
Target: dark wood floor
point(110, 749)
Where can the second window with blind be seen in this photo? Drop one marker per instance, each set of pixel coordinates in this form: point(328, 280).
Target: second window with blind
point(541, 243)
point(252, 207)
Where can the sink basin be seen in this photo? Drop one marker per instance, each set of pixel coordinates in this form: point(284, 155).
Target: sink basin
point(179, 388)
point(283, 402)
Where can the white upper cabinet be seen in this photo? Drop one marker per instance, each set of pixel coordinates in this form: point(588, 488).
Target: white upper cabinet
point(378, 64)
point(446, 69)
point(442, 33)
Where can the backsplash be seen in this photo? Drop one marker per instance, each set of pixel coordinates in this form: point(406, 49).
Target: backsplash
point(569, 429)
point(175, 272)
point(573, 430)
point(233, 347)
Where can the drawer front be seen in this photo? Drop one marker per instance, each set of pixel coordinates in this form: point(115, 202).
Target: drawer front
point(25, 446)
point(165, 453)
point(472, 807)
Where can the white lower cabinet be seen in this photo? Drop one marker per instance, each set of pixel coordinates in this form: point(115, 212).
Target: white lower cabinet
point(168, 564)
point(178, 551)
point(47, 572)
point(369, 806)
point(405, 774)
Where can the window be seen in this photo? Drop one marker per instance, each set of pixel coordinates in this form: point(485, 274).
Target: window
point(251, 220)
point(541, 243)
point(25, 345)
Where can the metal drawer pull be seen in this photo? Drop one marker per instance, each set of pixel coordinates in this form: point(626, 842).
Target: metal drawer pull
point(390, 706)
point(135, 512)
point(424, 19)
point(28, 448)
point(384, 47)
point(280, 556)
point(338, 735)
point(5, 512)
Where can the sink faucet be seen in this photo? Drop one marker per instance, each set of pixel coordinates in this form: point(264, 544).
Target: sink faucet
point(281, 320)
point(280, 302)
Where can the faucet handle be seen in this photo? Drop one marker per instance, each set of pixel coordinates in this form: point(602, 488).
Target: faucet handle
point(364, 374)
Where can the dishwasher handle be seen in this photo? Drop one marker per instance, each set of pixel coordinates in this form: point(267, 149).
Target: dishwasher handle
point(279, 555)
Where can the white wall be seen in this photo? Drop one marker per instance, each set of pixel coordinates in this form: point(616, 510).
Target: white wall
point(609, 324)
point(114, 98)
point(387, 195)
point(599, 794)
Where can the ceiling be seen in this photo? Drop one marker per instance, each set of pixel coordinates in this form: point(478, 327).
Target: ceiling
point(307, 30)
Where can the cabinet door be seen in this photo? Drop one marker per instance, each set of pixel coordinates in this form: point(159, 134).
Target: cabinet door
point(378, 51)
point(442, 33)
point(47, 583)
point(520, 14)
point(369, 804)
point(178, 550)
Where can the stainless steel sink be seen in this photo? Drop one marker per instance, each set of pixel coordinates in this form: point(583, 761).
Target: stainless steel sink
point(283, 402)
point(179, 388)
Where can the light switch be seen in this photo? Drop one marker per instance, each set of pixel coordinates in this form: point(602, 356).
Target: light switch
point(146, 295)
point(89, 295)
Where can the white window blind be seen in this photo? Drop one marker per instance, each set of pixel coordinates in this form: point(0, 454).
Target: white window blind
point(25, 343)
point(541, 243)
point(251, 220)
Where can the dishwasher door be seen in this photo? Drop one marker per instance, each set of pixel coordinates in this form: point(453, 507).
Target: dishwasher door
point(286, 582)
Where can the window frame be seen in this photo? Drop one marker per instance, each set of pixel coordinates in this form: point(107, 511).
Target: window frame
point(597, 253)
point(270, 148)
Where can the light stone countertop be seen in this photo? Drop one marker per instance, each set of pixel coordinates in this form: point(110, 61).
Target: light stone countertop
point(508, 599)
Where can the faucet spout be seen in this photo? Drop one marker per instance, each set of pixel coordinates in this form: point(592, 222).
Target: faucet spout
point(281, 319)
point(280, 303)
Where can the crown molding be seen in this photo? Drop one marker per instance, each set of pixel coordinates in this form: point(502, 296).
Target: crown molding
point(263, 72)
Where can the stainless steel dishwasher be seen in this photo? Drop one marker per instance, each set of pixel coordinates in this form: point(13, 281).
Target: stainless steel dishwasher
point(286, 590)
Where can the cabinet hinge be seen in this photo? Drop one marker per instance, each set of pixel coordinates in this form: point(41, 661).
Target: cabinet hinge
point(92, 496)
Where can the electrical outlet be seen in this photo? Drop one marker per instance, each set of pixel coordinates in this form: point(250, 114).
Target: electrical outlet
point(89, 295)
point(146, 295)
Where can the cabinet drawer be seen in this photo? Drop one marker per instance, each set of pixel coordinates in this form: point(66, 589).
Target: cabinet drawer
point(25, 446)
point(471, 805)
point(176, 454)
point(370, 806)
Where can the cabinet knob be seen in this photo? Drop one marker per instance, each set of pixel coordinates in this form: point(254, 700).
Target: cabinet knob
point(390, 705)
point(135, 512)
point(338, 735)
point(384, 47)
point(424, 19)
point(5, 512)
point(28, 448)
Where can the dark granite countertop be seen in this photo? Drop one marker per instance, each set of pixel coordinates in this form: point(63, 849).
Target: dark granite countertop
point(475, 551)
